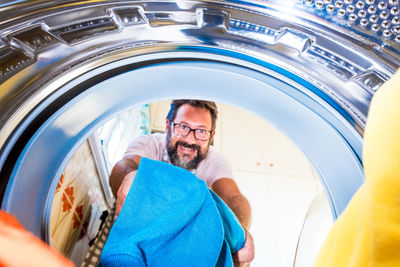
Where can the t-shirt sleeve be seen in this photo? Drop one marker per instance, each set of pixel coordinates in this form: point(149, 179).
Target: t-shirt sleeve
point(145, 146)
point(214, 167)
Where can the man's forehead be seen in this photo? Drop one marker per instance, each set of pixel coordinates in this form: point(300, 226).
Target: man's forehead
point(194, 116)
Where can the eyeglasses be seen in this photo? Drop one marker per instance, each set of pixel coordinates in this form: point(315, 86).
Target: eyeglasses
point(184, 130)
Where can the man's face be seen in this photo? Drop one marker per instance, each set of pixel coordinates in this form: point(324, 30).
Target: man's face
point(187, 151)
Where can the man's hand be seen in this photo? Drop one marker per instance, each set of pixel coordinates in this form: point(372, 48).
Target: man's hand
point(121, 169)
point(245, 255)
point(123, 191)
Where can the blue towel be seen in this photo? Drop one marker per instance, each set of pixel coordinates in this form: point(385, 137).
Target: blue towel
point(171, 218)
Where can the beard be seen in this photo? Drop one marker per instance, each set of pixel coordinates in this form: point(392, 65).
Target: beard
point(188, 164)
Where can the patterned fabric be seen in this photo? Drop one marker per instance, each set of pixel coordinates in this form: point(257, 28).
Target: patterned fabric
point(92, 258)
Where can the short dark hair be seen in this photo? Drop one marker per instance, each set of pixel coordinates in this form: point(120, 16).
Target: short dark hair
point(208, 105)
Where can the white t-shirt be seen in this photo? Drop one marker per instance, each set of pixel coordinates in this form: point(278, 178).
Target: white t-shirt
point(153, 146)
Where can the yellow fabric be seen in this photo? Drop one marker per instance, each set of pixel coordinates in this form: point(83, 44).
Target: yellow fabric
point(368, 231)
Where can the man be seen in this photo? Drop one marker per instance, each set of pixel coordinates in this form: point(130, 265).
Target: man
point(190, 130)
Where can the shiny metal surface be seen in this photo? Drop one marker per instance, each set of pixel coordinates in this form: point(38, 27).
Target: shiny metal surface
point(298, 116)
point(53, 54)
point(47, 35)
point(374, 19)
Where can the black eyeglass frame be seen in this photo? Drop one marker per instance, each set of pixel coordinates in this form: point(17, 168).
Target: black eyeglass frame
point(173, 124)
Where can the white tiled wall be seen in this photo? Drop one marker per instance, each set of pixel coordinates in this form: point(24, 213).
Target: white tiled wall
point(77, 205)
point(79, 200)
point(273, 174)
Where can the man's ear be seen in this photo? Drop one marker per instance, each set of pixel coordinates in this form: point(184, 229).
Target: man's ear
point(212, 137)
point(167, 122)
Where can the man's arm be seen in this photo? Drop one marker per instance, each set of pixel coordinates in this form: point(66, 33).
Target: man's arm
point(120, 170)
point(229, 192)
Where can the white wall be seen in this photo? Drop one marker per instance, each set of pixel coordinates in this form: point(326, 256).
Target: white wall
point(274, 175)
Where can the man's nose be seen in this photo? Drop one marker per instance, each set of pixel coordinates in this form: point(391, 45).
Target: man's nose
point(190, 138)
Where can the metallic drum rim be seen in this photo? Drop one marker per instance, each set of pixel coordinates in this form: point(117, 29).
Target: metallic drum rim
point(307, 111)
point(52, 54)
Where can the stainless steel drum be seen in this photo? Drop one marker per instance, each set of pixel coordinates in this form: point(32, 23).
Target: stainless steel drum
point(308, 67)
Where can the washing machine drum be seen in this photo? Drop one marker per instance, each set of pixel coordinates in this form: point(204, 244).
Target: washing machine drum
point(308, 67)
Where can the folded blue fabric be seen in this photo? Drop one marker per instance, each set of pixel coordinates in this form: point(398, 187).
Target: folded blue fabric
point(171, 218)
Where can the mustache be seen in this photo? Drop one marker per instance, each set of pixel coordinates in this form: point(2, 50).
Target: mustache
point(186, 145)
